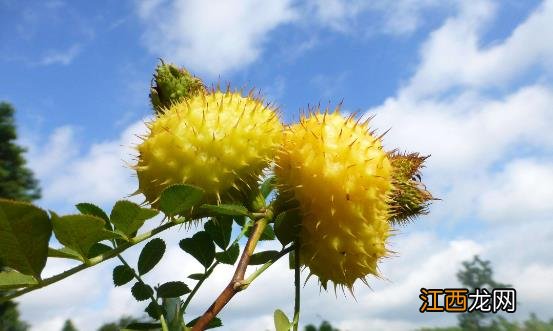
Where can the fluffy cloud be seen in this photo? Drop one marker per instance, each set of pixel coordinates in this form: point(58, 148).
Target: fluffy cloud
point(100, 174)
point(212, 37)
point(454, 56)
point(399, 17)
point(521, 192)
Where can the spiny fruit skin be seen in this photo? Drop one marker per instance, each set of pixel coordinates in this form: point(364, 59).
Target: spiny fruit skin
point(342, 178)
point(218, 141)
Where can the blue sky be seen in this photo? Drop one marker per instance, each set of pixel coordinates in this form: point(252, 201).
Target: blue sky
point(468, 82)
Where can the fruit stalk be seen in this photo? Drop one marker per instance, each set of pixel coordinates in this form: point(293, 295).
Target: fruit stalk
point(235, 285)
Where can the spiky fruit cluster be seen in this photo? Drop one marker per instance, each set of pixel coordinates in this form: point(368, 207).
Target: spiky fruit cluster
point(172, 84)
point(409, 196)
point(219, 141)
point(342, 179)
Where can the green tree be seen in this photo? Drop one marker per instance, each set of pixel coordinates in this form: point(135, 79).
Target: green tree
point(68, 326)
point(118, 325)
point(16, 182)
point(475, 274)
point(325, 326)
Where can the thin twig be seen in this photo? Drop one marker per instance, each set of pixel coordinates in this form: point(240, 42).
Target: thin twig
point(93, 261)
point(138, 278)
point(208, 272)
point(297, 286)
point(234, 285)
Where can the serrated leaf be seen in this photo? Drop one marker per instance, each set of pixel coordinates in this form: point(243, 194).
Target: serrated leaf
point(263, 257)
point(287, 226)
point(64, 253)
point(196, 276)
point(98, 249)
point(128, 217)
point(141, 291)
point(282, 323)
point(225, 209)
point(230, 255)
point(154, 310)
point(201, 247)
point(122, 274)
point(150, 256)
point(143, 326)
point(268, 186)
point(80, 232)
point(215, 323)
point(91, 209)
point(172, 290)
point(25, 231)
point(220, 230)
point(12, 280)
point(178, 199)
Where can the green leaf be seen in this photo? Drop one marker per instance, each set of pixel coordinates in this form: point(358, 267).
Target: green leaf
point(98, 249)
point(292, 260)
point(240, 220)
point(12, 279)
point(282, 323)
point(122, 274)
point(288, 226)
point(172, 290)
point(220, 230)
point(201, 247)
point(226, 209)
point(230, 255)
point(215, 323)
point(143, 326)
point(80, 232)
point(268, 186)
point(25, 231)
point(178, 199)
point(268, 233)
point(128, 217)
point(91, 209)
point(64, 253)
point(150, 256)
point(196, 276)
point(141, 291)
point(263, 257)
point(154, 310)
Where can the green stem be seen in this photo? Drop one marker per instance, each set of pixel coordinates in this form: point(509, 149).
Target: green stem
point(246, 282)
point(138, 278)
point(234, 285)
point(208, 272)
point(297, 286)
point(93, 261)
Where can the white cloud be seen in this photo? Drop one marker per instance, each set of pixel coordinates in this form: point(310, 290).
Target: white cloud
point(522, 192)
point(100, 174)
point(454, 54)
point(397, 18)
point(212, 37)
point(63, 57)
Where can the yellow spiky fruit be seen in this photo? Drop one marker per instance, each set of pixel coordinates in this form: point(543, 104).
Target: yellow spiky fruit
point(340, 176)
point(219, 141)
